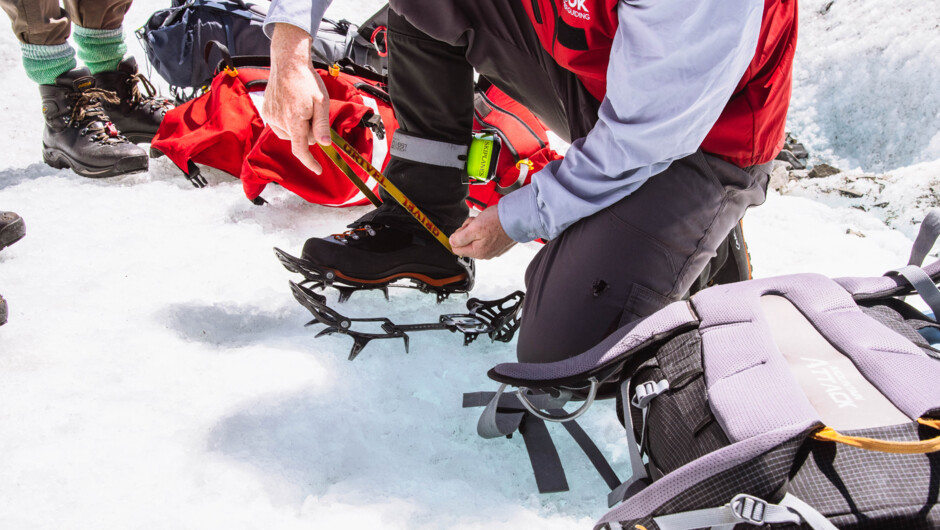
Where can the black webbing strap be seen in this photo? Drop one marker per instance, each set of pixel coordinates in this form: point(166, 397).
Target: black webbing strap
point(507, 415)
point(503, 417)
point(590, 449)
point(546, 464)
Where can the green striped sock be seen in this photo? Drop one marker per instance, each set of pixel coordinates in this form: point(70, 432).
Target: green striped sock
point(45, 63)
point(100, 49)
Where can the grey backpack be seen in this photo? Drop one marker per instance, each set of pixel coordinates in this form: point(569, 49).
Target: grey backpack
point(798, 401)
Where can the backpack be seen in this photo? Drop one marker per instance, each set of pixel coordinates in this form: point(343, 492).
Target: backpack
point(362, 44)
point(175, 39)
point(797, 401)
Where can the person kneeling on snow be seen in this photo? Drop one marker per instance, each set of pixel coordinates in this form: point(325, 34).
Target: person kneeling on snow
point(674, 111)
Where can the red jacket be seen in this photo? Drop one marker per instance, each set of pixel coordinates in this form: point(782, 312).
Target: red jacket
point(750, 130)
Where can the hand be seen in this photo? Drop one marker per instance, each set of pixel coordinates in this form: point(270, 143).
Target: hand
point(481, 237)
point(296, 103)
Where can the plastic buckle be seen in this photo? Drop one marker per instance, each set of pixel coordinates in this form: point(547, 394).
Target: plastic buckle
point(647, 391)
point(748, 509)
point(483, 156)
point(334, 70)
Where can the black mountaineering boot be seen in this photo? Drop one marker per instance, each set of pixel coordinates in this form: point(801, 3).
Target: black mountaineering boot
point(375, 256)
point(12, 229)
point(79, 134)
point(138, 114)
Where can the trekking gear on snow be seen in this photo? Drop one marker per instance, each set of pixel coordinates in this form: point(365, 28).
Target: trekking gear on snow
point(375, 258)
point(496, 319)
point(137, 114)
point(12, 229)
point(791, 400)
point(364, 45)
point(79, 134)
point(175, 39)
point(4, 311)
point(223, 129)
point(392, 190)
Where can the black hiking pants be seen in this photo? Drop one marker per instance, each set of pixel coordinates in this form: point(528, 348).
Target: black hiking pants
point(620, 264)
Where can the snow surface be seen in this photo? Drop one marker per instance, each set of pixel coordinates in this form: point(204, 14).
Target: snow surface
point(155, 372)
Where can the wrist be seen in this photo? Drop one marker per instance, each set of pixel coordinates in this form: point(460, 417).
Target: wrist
point(290, 47)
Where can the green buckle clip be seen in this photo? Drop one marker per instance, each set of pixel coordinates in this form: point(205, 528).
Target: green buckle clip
point(482, 157)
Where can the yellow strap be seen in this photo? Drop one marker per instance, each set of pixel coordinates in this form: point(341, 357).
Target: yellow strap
point(391, 189)
point(930, 423)
point(350, 174)
point(828, 434)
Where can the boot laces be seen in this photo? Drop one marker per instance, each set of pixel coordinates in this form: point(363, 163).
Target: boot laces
point(135, 81)
point(356, 233)
point(87, 110)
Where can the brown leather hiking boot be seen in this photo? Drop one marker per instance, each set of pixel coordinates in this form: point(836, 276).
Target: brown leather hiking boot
point(12, 229)
point(136, 114)
point(79, 134)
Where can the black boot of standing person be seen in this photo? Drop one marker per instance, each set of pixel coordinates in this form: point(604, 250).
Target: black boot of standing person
point(12, 229)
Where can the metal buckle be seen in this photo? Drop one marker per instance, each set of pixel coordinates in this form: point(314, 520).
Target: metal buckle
point(465, 323)
point(748, 509)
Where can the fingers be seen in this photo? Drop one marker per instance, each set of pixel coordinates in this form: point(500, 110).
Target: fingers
point(321, 116)
point(299, 134)
point(464, 236)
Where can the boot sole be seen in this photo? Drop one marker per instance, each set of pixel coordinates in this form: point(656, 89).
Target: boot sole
point(433, 282)
point(142, 138)
point(60, 160)
point(5, 244)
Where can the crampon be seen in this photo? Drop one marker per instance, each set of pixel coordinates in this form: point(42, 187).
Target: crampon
point(498, 319)
point(317, 277)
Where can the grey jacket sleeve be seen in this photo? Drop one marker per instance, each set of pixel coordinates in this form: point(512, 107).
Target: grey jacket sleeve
point(305, 14)
point(672, 69)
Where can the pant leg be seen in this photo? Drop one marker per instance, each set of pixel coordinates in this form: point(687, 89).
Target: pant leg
point(431, 86)
point(496, 37)
point(633, 258)
point(98, 14)
point(434, 46)
point(38, 22)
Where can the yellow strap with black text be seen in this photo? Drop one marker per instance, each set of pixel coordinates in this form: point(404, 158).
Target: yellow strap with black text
point(828, 434)
point(331, 153)
point(391, 189)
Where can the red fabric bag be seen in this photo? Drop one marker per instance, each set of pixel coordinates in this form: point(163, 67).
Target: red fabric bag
point(271, 160)
point(223, 129)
